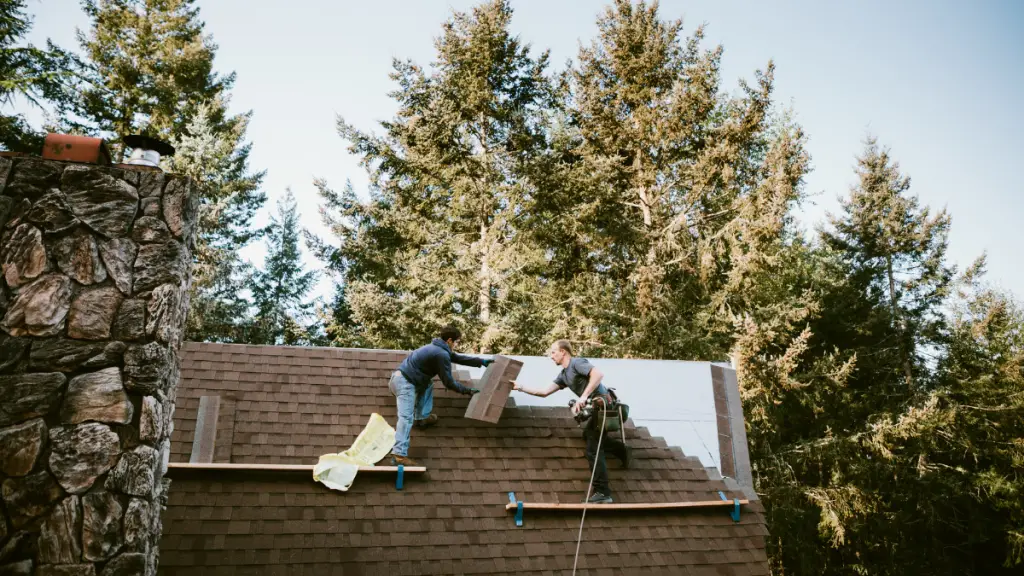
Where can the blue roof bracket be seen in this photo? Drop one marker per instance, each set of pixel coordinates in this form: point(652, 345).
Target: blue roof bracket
point(519, 508)
point(400, 480)
point(735, 512)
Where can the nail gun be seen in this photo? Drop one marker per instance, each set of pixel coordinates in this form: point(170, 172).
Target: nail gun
point(585, 413)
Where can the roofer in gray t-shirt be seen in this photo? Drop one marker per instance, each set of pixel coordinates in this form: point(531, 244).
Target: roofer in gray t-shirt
point(584, 379)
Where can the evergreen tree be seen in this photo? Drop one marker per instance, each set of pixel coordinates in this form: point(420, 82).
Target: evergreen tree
point(354, 224)
point(150, 69)
point(217, 163)
point(837, 436)
point(894, 252)
point(946, 480)
point(336, 318)
point(679, 190)
point(450, 177)
point(34, 74)
point(280, 288)
point(977, 425)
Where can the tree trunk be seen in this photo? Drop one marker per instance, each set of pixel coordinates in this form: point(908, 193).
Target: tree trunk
point(645, 207)
point(904, 352)
point(484, 293)
point(646, 279)
point(645, 201)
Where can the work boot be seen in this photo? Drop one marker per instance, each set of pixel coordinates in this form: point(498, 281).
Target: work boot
point(402, 460)
point(426, 422)
point(599, 498)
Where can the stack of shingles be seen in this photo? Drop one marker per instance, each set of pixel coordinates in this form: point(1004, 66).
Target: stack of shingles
point(495, 386)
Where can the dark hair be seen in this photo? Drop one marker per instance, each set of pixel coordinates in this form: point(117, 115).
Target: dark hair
point(449, 332)
point(564, 345)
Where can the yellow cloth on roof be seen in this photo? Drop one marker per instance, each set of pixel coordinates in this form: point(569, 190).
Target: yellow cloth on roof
point(338, 471)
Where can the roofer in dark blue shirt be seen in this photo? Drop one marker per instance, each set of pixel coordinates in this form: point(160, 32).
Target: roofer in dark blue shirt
point(412, 386)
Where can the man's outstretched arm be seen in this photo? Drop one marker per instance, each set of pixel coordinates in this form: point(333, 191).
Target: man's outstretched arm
point(449, 382)
point(470, 360)
point(542, 392)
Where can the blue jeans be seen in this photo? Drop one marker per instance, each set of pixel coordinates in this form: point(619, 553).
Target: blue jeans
point(410, 406)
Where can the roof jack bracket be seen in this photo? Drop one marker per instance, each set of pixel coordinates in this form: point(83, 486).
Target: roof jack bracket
point(399, 482)
point(519, 508)
point(735, 512)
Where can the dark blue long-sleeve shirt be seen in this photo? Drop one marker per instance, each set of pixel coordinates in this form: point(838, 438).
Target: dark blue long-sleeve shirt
point(435, 359)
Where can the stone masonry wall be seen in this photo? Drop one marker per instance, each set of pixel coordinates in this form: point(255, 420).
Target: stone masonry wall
point(96, 266)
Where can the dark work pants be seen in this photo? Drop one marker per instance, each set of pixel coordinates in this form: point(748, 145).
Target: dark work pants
point(612, 442)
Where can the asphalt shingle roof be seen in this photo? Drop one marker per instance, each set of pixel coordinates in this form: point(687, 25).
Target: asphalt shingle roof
point(287, 405)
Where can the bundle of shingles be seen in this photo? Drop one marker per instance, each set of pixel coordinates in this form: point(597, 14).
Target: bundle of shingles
point(495, 386)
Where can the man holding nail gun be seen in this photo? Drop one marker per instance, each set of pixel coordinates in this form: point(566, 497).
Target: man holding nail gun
point(580, 376)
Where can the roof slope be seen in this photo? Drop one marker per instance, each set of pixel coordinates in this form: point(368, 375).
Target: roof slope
point(289, 405)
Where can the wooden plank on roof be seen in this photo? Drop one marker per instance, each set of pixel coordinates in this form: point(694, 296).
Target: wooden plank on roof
point(225, 430)
point(306, 468)
point(625, 506)
point(205, 440)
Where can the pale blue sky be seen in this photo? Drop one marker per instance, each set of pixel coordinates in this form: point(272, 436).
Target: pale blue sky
point(938, 82)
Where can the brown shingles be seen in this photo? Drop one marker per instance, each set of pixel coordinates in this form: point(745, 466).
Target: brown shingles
point(292, 404)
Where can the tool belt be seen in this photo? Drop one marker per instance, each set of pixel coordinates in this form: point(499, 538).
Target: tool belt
point(615, 412)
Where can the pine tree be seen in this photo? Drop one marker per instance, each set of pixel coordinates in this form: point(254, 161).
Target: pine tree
point(894, 251)
point(283, 316)
point(678, 192)
point(37, 75)
point(346, 217)
point(947, 464)
point(450, 178)
point(859, 471)
point(336, 318)
point(216, 161)
point(978, 425)
point(150, 68)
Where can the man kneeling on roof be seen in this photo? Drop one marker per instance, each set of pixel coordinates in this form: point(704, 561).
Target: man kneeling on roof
point(413, 388)
point(580, 376)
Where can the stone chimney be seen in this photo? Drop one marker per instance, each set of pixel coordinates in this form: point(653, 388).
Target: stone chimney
point(96, 267)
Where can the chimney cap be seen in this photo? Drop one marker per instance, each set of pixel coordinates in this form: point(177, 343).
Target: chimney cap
point(149, 143)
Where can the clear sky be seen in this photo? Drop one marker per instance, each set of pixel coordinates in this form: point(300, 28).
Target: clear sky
point(938, 82)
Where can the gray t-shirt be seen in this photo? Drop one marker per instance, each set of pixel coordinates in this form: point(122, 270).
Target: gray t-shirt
point(576, 376)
